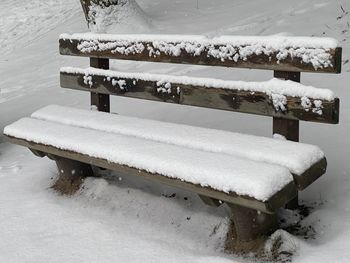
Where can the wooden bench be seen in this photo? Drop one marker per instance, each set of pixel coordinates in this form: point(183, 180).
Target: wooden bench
point(249, 173)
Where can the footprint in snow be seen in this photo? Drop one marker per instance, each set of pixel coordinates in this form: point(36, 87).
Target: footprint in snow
point(14, 168)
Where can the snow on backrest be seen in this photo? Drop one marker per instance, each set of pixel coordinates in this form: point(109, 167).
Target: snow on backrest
point(268, 52)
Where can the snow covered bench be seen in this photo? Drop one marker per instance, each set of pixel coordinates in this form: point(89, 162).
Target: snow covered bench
point(249, 173)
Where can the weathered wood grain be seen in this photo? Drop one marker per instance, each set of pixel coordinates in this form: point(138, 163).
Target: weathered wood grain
point(70, 47)
point(269, 206)
point(224, 99)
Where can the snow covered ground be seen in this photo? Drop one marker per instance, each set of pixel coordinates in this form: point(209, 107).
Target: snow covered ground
point(128, 220)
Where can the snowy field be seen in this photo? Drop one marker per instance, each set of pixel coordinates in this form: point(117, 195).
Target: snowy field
point(128, 220)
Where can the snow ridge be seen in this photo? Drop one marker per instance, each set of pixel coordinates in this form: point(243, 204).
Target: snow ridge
point(309, 50)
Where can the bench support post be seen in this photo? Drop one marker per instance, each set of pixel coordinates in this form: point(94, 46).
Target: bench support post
point(288, 128)
point(249, 229)
point(101, 101)
point(71, 175)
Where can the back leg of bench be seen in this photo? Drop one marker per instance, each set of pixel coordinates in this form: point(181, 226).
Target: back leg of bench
point(249, 229)
point(71, 175)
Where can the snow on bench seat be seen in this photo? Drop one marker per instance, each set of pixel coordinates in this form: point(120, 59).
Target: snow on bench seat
point(297, 157)
point(220, 171)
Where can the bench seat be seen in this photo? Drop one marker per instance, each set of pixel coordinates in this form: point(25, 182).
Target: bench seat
point(219, 171)
point(232, 164)
point(306, 162)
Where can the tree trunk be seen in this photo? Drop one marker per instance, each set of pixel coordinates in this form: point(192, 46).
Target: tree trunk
point(89, 5)
point(85, 5)
point(104, 3)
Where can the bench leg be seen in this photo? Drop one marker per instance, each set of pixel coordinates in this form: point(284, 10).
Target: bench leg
point(71, 175)
point(249, 230)
point(293, 204)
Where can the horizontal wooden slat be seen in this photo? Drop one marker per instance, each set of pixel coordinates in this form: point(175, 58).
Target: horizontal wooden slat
point(292, 62)
point(258, 103)
point(270, 206)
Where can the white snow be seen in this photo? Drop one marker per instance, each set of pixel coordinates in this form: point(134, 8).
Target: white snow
point(271, 87)
point(21, 23)
point(318, 107)
point(279, 102)
point(219, 171)
point(131, 220)
point(306, 103)
point(234, 48)
point(38, 225)
point(297, 157)
point(275, 42)
point(88, 80)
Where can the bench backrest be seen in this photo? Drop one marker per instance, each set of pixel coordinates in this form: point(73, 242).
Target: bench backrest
point(286, 56)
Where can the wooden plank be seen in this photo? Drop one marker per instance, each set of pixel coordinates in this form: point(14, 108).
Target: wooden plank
point(311, 175)
point(70, 47)
point(269, 206)
point(224, 99)
point(100, 101)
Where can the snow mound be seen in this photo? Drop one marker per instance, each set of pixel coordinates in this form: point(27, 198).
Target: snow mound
point(281, 246)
